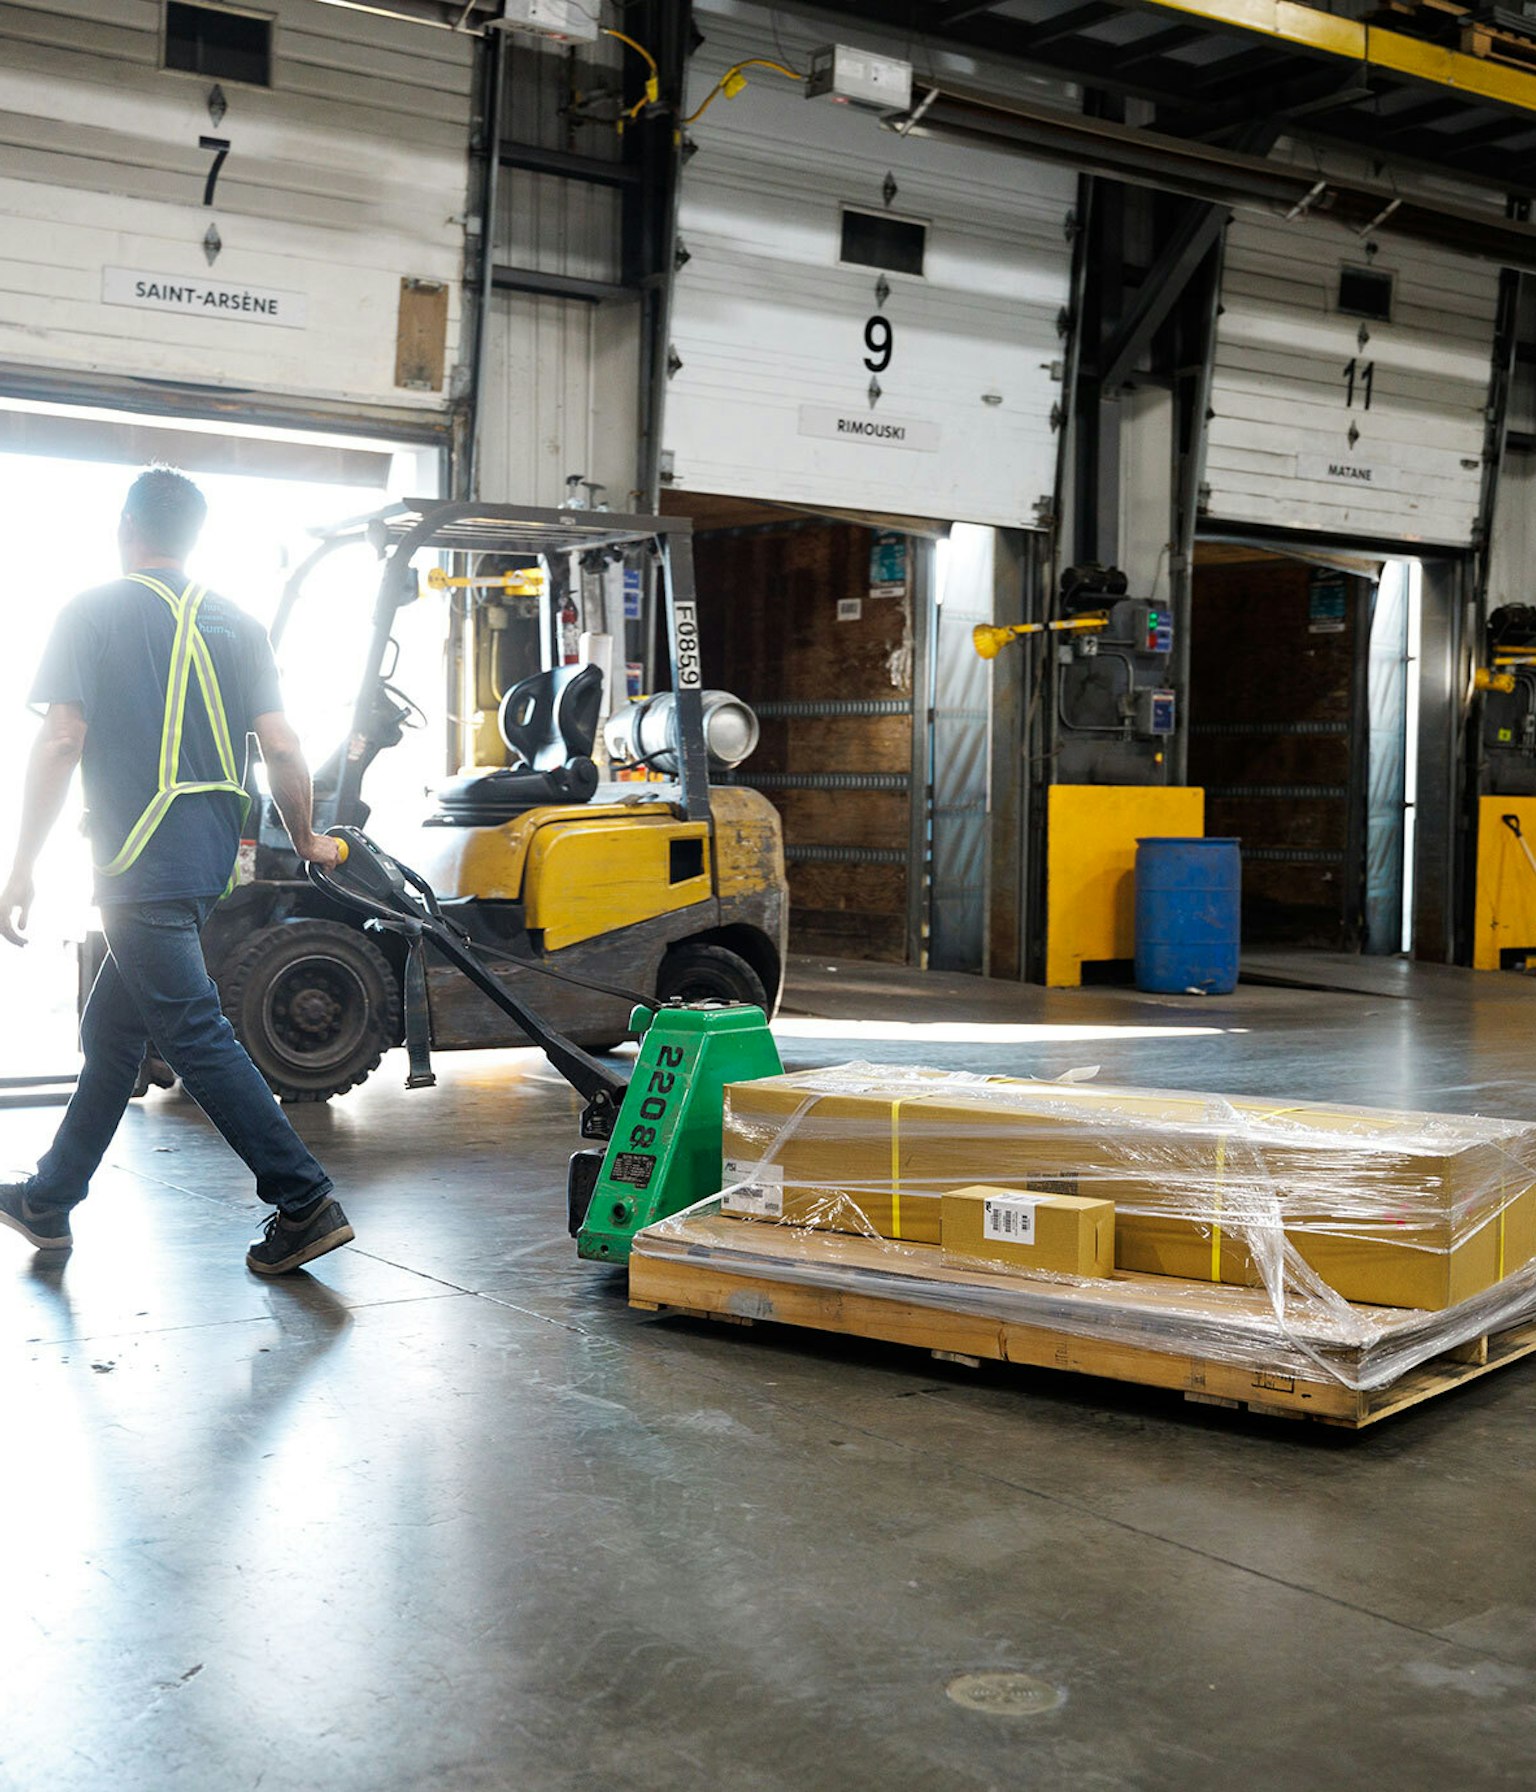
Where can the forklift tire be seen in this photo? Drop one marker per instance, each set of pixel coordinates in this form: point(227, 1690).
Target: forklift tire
point(315, 1004)
point(703, 973)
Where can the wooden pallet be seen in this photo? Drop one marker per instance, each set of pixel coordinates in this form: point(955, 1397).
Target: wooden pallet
point(1452, 23)
point(697, 1286)
point(1493, 45)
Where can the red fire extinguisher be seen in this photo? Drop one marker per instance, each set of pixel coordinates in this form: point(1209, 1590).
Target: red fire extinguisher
point(570, 632)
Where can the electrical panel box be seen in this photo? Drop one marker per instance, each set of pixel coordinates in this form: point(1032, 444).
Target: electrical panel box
point(562, 21)
point(1115, 710)
point(1142, 626)
point(1508, 687)
point(1155, 713)
point(860, 78)
point(1154, 629)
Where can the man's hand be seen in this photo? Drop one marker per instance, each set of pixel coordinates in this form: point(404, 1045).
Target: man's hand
point(50, 766)
point(288, 776)
point(16, 905)
point(321, 850)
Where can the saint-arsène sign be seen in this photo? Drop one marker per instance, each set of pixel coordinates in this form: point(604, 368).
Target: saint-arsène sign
point(192, 297)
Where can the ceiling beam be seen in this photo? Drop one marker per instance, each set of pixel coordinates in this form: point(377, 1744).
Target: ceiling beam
point(1391, 125)
point(1149, 49)
point(1189, 242)
point(1319, 90)
point(951, 12)
point(1308, 30)
point(1218, 176)
point(1486, 136)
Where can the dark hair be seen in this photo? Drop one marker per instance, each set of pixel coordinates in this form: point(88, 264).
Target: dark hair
point(166, 510)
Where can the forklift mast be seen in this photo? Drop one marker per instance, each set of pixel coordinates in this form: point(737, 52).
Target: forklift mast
point(399, 532)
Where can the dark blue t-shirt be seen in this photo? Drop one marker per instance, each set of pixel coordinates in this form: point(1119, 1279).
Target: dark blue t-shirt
point(110, 652)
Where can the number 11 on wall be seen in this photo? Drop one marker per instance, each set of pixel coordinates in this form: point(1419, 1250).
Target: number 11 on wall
point(1367, 377)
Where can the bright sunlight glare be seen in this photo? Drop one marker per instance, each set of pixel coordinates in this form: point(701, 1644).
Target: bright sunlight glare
point(949, 1032)
point(256, 530)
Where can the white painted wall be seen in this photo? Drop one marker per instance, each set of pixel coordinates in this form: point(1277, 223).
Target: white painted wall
point(766, 322)
point(561, 385)
point(1279, 450)
point(346, 175)
point(1512, 543)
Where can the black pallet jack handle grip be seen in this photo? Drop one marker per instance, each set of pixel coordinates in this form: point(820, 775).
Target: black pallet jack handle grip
point(1512, 822)
point(392, 896)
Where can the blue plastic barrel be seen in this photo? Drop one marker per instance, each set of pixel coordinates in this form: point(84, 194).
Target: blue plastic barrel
point(1188, 916)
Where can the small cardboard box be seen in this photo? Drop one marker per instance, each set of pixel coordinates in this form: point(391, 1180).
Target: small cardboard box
point(1070, 1235)
point(1389, 1209)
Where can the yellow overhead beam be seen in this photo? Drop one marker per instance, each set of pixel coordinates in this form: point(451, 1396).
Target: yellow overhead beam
point(1305, 28)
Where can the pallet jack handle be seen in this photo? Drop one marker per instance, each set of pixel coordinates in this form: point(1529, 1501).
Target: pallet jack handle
point(395, 899)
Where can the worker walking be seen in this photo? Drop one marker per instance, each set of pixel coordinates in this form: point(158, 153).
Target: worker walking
point(152, 684)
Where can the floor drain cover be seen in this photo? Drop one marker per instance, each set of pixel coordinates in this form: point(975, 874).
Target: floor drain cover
point(1005, 1695)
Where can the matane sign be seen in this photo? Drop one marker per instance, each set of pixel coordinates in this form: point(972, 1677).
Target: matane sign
point(202, 298)
point(1336, 470)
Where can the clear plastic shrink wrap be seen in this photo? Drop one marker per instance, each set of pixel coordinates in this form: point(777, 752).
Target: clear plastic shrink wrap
point(1299, 1237)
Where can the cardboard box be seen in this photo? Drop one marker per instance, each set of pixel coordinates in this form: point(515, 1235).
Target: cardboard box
point(1391, 1209)
point(1071, 1235)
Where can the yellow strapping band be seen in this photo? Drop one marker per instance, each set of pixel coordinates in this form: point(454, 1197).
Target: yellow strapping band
point(1221, 1167)
point(1221, 1159)
point(1503, 1209)
point(895, 1169)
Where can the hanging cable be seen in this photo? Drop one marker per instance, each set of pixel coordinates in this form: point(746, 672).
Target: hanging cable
point(652, 92)
point(733, 80)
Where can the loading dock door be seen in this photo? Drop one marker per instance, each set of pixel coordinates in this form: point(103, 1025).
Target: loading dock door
point(1350, 384)
point(814, 363)
point(322, 257)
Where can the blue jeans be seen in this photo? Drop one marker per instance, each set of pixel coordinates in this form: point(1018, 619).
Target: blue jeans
point(155, 986)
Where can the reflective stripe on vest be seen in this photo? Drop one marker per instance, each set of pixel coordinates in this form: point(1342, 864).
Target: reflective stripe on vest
point(189, 654)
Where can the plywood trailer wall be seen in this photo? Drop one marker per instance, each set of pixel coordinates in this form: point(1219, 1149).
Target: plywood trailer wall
point(771, 598)
point(1274, 742)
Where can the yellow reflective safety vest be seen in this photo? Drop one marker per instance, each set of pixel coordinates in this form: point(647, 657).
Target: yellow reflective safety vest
point(189, 656)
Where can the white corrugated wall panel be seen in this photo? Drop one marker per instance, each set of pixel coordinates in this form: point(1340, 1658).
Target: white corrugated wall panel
point(767, 320)
point(560, 394)
point(348, 174)
point(1280, 451)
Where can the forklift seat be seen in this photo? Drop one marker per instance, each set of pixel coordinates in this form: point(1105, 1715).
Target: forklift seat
point(550, 722)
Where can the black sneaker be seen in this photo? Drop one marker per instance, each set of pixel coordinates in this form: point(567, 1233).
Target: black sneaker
point(44, 1230)
point(286, 1244)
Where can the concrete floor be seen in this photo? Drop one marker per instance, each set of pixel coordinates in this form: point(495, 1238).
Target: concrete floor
point(447, 1515)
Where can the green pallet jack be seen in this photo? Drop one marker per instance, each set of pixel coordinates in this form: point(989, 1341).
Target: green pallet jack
point(660, 1128)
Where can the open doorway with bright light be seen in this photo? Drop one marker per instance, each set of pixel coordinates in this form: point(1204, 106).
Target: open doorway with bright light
point(63, 473)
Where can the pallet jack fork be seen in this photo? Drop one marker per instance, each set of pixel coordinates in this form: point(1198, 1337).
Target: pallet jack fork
point(660, 1128)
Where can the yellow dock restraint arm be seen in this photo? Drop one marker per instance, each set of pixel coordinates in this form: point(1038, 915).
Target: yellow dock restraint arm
point(189, 654)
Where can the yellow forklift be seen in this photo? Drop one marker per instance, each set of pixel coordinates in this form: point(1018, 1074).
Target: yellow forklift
point(597, 894)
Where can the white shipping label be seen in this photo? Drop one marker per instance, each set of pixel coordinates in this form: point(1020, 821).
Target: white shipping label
point(1009, 1218)
point(754, 1188)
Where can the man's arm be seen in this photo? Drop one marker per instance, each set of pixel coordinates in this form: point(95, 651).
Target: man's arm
point(55, 754)
point(288, 776)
